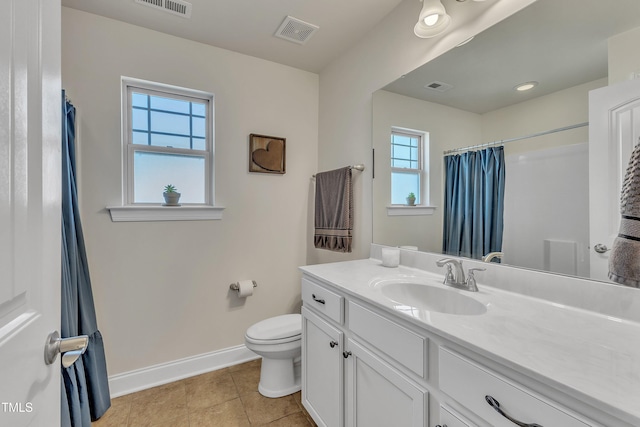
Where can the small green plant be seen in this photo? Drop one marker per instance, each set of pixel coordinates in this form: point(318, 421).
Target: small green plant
point(170, 189)
point(411, 196)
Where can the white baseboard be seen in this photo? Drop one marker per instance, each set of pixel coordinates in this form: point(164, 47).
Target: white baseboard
point(141, 379)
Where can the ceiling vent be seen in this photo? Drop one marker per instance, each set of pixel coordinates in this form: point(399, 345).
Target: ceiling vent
point(295, 30)
point(438, 86)
point(175, 7)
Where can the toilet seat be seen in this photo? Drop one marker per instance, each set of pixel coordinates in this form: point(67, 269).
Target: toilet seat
point(276, 330)
point(250, 340)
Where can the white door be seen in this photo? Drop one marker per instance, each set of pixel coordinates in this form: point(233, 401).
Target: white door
point(30, 120)
point(614, 129)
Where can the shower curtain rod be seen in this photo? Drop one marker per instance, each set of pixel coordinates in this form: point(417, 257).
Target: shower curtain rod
point(358, 167)
point(504, 141)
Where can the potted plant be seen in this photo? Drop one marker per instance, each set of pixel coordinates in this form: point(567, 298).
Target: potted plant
point(411, 199)
point(171, 196)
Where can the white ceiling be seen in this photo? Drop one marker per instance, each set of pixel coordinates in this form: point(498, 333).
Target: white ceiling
point(559, 43)
point(248, 26)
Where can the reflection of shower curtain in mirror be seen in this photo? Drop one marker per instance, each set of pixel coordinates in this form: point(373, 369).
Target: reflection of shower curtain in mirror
point(474, 203)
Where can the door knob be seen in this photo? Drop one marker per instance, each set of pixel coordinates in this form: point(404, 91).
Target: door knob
point(71, 348)
point(600, 248)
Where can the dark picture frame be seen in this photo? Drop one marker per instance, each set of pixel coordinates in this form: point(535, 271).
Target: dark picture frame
point(267, 154)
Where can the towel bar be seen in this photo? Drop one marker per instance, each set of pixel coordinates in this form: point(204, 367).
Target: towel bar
point(358, 167)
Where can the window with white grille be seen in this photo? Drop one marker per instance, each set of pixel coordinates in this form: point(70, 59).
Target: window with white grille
point(167, 139)
point(409, 163)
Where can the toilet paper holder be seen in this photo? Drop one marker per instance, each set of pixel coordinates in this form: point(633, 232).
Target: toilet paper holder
point(235, 286)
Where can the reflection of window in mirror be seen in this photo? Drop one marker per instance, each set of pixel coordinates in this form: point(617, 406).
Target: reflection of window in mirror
point(409, 172)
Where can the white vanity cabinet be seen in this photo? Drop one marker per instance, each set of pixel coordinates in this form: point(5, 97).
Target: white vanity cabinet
point(412, 362)
point(349, 381)
point(365, 366)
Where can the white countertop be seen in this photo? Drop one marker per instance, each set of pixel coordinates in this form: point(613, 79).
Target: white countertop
point(586, 354)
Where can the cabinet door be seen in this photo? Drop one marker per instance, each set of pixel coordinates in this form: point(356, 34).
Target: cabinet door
point(380, 396)
point(322, 370)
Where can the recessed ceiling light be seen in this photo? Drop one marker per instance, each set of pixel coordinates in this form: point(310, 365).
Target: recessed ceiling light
point(526, 86)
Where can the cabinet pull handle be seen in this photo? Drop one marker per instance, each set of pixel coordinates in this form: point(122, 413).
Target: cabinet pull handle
point(333, 344)
point(316, 299)
point(346, 354)
point(496, 405)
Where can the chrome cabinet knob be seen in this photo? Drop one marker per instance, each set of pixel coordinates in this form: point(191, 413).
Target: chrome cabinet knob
point(600, 248)
point(346, 354)
point(333, 344)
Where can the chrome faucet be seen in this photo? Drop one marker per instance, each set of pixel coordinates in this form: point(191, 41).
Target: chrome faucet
point(454, 276)
point(491, 255)
point(457, 276)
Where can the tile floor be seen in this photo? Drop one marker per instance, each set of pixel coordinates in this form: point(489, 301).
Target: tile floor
point(227, 398)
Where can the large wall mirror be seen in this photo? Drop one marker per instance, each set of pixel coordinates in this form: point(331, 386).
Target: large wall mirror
point(467, 97)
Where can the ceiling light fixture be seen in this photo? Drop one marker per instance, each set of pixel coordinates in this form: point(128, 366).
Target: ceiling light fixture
point(433, 19)
point(526, 86)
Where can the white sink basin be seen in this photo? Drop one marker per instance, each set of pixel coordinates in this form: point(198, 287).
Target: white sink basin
point(431, 298)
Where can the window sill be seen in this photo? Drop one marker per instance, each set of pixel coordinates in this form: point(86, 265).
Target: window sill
point(402, 210)
point(164, 213)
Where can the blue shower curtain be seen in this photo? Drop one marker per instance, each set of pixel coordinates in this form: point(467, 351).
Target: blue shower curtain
point(474, 203)
point(85, 388)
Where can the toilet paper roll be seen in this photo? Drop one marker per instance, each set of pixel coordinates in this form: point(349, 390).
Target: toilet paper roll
point(245, 288)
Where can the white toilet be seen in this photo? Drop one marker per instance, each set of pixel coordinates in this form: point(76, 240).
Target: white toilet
point(278, 341)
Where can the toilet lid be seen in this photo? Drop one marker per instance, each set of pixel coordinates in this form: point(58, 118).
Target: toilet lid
point(275, 328)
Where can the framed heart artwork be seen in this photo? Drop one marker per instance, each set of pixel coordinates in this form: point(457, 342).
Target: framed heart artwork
point(266, 154)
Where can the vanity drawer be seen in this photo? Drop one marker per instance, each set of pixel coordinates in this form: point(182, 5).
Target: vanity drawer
point(323, 300)
point(396, 341)
point(469, 383)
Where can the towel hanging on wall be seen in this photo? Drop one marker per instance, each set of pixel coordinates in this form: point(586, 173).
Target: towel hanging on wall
point(334, 210)
point(624, 261)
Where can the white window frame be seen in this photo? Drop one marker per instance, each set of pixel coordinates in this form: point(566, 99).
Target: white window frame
point(131, 211)
point(424, 207)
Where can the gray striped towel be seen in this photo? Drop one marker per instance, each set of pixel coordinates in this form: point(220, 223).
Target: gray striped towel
point(334, 210)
